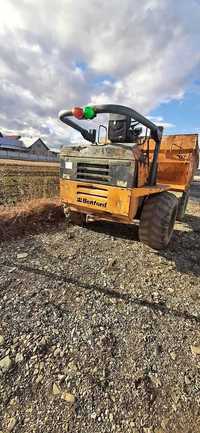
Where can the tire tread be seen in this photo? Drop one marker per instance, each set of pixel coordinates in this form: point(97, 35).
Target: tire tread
point(156, 217)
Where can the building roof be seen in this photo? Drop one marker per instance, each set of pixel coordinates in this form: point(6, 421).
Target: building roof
point(41, 141)
point(11, 143)
point(15, 143)
point(29, 142)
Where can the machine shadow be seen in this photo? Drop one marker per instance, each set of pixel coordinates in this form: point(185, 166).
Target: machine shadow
point(116, 230)
point(184, 247)
point(193, 221)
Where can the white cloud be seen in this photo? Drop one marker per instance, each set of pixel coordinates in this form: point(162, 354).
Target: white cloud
point(158, 120)
point(57, 54)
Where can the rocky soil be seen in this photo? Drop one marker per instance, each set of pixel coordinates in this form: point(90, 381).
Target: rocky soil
point(99, 333)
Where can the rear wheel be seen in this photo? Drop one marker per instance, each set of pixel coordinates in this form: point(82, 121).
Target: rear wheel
point(157, 220)
point(182, 205)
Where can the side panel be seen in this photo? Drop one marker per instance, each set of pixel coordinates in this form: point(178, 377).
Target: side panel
point(95, 197)
point(177, 161)
point(105, 202)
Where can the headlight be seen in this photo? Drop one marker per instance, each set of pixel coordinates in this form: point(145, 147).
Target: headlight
point(68, 165)
point(122, 183)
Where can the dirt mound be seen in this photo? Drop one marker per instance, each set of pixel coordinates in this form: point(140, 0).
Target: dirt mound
point(29, 217)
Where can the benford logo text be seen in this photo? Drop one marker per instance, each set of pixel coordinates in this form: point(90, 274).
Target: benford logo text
point(91, 202)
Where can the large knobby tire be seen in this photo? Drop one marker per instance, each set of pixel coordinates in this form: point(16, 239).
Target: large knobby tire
point(157, 220)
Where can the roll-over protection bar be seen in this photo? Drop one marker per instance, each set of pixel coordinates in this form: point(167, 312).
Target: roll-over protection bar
point(90, 135)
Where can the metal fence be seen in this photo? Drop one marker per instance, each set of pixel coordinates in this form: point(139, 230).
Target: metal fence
point(10, 154)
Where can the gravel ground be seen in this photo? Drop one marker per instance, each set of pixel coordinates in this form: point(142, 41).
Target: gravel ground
point(100, 333)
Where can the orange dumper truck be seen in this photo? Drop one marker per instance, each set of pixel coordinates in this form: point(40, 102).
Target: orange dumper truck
point(130, 174)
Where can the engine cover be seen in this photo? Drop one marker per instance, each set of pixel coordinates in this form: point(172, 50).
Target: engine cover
point(109, 165)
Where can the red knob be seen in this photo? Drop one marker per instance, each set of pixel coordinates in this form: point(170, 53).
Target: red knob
point(78, 112)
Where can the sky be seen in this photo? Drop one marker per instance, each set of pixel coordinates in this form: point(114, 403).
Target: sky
point(58, 54)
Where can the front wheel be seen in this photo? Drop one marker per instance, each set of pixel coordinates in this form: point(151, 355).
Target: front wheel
point(157, 220)
point(74, 218)
point(78, 219)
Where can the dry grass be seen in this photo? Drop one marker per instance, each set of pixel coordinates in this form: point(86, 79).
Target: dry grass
point(13, 162)
point(29, 217)
point(22, 181)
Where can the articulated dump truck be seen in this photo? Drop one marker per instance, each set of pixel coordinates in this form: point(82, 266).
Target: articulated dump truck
point(125, 172)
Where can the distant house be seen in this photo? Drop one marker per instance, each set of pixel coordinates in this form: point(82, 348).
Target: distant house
point(39, 148)
point(14, 148)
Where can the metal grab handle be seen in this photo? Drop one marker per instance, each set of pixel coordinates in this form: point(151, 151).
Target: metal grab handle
point(126, 111)
point(114, 109)
point(156, 131)
point(88, 135)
